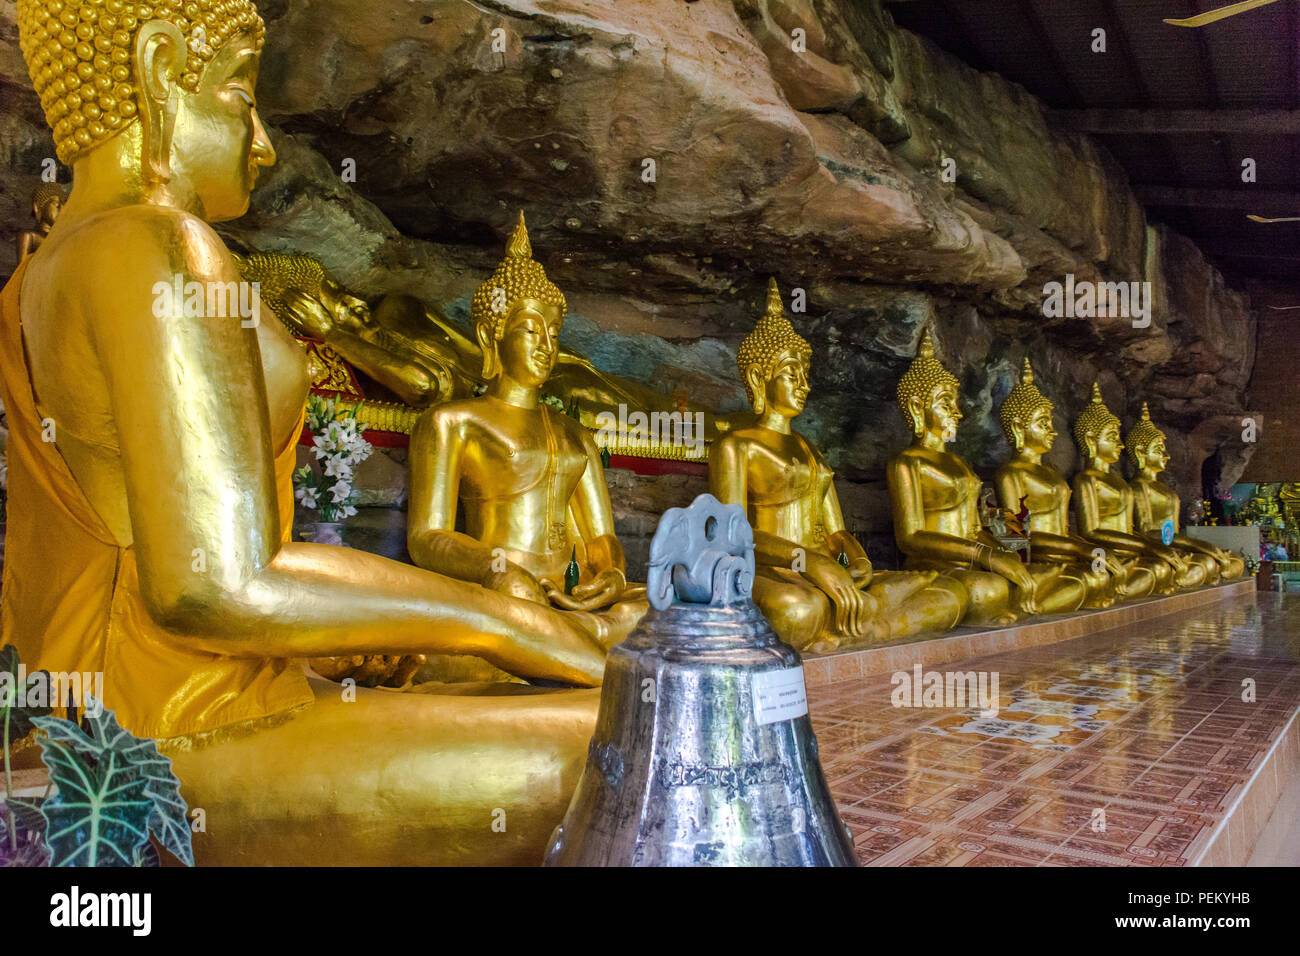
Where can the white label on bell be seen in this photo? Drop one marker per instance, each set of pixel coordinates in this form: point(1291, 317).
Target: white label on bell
point(779, 695)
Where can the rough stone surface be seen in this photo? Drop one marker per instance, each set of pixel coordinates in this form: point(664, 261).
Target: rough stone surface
point(823, 166)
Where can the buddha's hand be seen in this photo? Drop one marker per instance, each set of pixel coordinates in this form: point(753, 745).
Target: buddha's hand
point(1009, 565)
point(861, 570)
point(369, 670)
point(307, 314)
point(516, 582)
point(854, 608)
point(602, 590)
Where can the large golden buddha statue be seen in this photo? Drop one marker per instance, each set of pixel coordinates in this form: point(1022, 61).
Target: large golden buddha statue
point(1027, 422)
point(936, 514)
point(814, 581)
point(1104, 502)
point(1155, 503)
point(529, 478)
point(150, 456)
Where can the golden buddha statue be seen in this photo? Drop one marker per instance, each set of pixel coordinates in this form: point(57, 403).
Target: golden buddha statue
point(47, 200)
point(529, 478)
point(1155, 503)
point(420, 355)
point(1104, 502)
point(1027, 422)
point(814, 581)
point(935, 497)
point(149, 540)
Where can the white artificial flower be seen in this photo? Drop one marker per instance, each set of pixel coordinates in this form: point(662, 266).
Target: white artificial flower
point(337, 467)
point(340, 491)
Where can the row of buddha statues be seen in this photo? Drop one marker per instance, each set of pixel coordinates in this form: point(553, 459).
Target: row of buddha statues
point(529, 483)
point(150, 510)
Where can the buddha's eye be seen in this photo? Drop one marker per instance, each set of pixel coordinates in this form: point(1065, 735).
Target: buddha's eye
point(243, 94)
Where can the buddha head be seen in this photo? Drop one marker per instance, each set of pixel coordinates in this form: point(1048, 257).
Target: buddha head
point(47, 200)
point(1146, 444)
point(1096, 431)
point(1027, 415)
point(927, 394)
point(299, 293)
point(165, 86)
point(517, 316)
point(773, 361)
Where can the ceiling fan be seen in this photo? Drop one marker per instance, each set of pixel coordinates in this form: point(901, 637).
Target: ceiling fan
point(1253, 218)
point(1222, 13)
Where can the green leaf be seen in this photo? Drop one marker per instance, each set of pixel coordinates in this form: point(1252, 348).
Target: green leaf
point(27, 814)
point(168, 813)
point(19, 718)
point(138, 759)
point(101, 812)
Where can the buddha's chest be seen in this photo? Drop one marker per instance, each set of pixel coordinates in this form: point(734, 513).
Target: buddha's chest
point(785, 471)
point(1161, 500)
point(518, 454)
point(1114, 496)
point(947, 484)
point(1044, 490)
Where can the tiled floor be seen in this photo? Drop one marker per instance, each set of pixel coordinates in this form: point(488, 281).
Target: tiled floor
point(1125, 748)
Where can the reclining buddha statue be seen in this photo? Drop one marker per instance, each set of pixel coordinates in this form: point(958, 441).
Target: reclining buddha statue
point(419, 354)
point(1104, 502)
point(1155, 503)
point(529, 478)
point(814, 581)
point(935, 497)
point(1027, 422)
point(149, 539)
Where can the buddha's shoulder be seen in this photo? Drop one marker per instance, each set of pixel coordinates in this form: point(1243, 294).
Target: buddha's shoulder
point(141, 234)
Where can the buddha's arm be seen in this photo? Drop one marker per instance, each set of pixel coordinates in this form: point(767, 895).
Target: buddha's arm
point(1090, 527)
point(189, 405)
point(436, 449)
point(594, 518)
point(412, 383)
point(909, 520)
point(838, 539)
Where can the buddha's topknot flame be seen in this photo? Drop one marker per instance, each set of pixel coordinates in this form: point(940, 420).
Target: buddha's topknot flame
point(517, 277)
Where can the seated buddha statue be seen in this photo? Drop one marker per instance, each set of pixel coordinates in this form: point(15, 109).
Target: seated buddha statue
point(1104, 503)
point(1027, 422)
point(1155, 503)
point(47, 200)
point(814, 581)
point(935, 498)
point(150, 539)
point(528, 478)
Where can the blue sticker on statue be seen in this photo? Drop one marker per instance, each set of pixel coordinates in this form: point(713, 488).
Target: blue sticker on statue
point(1167, 532)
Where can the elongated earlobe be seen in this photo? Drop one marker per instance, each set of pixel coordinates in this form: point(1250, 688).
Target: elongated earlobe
point(160, 54)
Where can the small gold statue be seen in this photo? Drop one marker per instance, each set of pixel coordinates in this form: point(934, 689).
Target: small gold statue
point(1027, 422)
point(150, 539)
point(529, 478)
point(1104, 502)
point(814, 581)
point(936, 520)
point(47, 200)
point(1156, 503)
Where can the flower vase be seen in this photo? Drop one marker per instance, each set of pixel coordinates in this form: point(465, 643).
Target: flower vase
point(326, 532)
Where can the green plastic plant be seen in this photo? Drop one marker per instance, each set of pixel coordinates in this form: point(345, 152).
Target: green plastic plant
point(115, 790)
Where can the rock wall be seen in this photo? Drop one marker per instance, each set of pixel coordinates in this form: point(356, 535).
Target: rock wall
point(671, 156)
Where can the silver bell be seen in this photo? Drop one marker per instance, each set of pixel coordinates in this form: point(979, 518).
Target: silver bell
point(703, 753)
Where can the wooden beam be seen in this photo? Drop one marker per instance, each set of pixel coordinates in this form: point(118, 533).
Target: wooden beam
point(1180, 121)
point(1261, 202)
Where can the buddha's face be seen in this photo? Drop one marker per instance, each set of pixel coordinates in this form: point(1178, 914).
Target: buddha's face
point(787, 389)
point(1156, 457)
point(942, 414)
point(1039, 431)
point(47, 212)
point(219, 142)
point(1107, 444)
point(528, 347)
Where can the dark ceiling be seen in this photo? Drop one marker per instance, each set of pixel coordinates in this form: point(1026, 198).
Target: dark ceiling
point(1180, 108)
